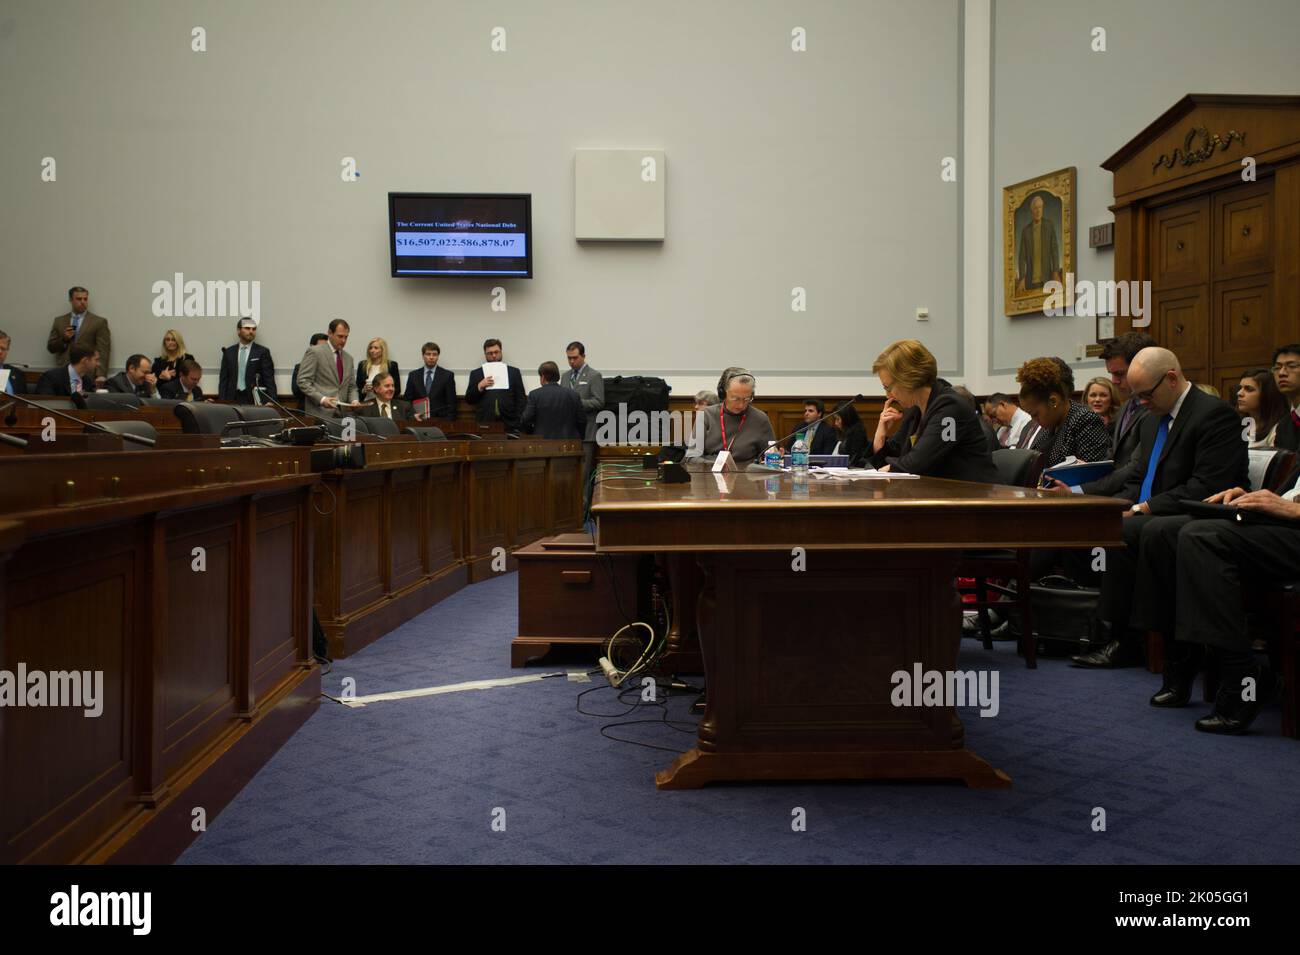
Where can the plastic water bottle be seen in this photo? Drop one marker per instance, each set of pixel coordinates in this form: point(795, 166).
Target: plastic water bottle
point(799, 461)
point(772, 457)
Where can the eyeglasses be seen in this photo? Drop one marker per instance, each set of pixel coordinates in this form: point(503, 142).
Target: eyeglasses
point(1289, 366)
point(1146, 395)
point(744, 401)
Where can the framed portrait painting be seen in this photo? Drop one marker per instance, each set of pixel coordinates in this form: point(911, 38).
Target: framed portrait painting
point(1038, 223)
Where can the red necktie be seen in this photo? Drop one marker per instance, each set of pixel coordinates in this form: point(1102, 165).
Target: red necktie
point(1295, 417)
point(338, 364)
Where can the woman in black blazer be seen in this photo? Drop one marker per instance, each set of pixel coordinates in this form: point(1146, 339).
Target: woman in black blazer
point(376, 360)
point(853, 436)
point(1071, 430)
point(166, 365)
point(939, 434)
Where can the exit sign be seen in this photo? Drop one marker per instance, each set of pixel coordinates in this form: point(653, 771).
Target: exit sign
point(1101, 236)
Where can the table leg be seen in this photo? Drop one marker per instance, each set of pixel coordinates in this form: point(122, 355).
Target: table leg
point(803, 670)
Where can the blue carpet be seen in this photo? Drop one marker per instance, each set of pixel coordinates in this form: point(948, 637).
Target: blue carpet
point(418, 780)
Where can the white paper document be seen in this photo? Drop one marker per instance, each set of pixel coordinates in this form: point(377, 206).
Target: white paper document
point(860, 474)
point(4, 378)
point(499, 373)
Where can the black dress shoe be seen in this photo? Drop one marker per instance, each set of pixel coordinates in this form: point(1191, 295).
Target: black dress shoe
point(1174, 692)
point(1109, 657)
point(1232, 715)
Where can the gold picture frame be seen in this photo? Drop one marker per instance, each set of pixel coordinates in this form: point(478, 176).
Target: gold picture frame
point(1045, 252)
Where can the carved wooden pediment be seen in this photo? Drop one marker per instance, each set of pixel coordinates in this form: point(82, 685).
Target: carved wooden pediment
point(1204, 136)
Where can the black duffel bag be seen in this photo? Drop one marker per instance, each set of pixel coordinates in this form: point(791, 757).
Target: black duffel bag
point(638, 392)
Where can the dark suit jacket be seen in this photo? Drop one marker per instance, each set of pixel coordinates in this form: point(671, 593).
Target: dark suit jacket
point(964, 458)
point(1287, 436)
point(18, 378)
point(1202, 455)
point(121, 385)
point(94, 334)
point(172, 389)
point(260, 371)
point(161, 364)
point(442, 396)
point(554, 411)
point(1122, 448)
point(856, 446)
point(494, 405)
point(363, 376)
point(824, 439)
point(401, 410)
point(57, 381)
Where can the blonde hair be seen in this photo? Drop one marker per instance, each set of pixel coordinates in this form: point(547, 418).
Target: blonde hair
point(909, 363)
point(1110, 389)
point(180, 345)
point(383, 354)
point(1211, 390)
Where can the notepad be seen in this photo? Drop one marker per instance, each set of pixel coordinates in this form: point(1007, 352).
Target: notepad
point(860, 474)
point(1074, 472)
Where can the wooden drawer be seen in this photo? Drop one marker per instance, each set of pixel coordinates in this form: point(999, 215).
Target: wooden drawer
point(1180, 319)
point(1179, 237)
point(1243, 231)
point(1243, 319)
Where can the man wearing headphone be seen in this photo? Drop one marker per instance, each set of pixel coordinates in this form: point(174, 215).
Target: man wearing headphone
point(734, 425)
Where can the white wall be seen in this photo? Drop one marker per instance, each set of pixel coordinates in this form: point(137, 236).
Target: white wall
point(817, 169)
point(1056, 104)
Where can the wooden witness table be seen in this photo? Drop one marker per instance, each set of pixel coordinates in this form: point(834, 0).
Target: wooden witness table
point(798, 662)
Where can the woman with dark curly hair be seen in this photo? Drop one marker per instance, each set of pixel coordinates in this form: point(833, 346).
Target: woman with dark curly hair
point(1075, 431)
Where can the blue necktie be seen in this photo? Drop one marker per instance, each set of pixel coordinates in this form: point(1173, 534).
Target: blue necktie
point(1162, 430)
point(428, 381)
point(9, 382)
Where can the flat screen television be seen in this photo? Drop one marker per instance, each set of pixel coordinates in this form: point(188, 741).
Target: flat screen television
point(460, 234)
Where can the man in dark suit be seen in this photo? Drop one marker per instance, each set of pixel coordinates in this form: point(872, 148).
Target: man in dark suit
point(384, 404)
point(15, 381)
point(433, 382)
point(1286, 373)
point(553, 411)
point(73, 378)
point(1190, 447)
point(818, 436)
point(1191, 579)
point(138, 379)
point(1117, 354)
point(80, 326)
point(490, 400)
point(185, 386)
point(244, 366)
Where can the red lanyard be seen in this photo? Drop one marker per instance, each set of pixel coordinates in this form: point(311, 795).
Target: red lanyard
point(722, 423)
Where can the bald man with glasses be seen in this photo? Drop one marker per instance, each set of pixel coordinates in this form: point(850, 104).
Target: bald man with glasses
point(1190, 447)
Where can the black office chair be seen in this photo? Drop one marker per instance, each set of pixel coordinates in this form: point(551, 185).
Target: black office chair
point(142, 428)
point(1018, 467)
point(159, 402)
point(428, 433)
point(203, 418)
point(111, 401)
point(386, 427)
point(259, 413)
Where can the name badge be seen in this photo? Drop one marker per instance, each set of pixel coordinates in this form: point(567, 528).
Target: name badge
point(723, 462)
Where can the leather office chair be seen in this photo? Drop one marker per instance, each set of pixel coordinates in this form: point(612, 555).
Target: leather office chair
point(429, 433)
point(108, 402)
point(386, 427)
point(159, 402)
point(204, 418)
point(259, 413)
point(142, 428)
point(1018, 467)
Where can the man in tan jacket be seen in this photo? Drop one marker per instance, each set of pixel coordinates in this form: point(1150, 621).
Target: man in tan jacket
point(82, 327)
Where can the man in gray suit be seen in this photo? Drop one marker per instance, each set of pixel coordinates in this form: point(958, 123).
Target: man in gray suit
point(327, 375)
point(80, 326)
point(590, 386)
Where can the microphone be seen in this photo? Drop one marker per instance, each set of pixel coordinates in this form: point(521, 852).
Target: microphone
point(266, 396)
point(86, 425)
point(823, 418)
